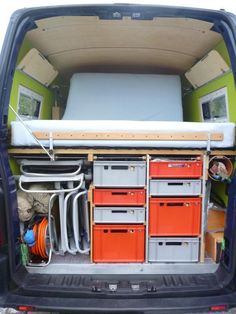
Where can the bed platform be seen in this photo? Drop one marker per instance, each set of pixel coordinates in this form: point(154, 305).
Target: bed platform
point(144, 116)
point(123, 134)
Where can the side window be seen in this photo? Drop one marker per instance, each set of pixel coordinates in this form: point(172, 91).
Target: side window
point(214, 106)
point(29, 104)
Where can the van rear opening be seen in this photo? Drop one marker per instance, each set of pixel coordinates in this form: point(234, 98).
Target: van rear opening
point(118, 171)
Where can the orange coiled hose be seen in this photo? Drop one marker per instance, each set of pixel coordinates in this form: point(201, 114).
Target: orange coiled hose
point(40, 231)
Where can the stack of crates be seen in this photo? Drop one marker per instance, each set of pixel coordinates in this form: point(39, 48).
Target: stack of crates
point(174, 210)
point(119, 199)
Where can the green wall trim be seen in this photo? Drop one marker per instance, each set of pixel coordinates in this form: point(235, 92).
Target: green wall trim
point(25, 47)
point(15, 168)
point(222, 49)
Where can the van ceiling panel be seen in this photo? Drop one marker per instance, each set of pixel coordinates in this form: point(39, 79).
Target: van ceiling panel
point(166, 45)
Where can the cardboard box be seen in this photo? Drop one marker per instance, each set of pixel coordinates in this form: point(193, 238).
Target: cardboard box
point(216, 220)
point(56, 113)
point(213, 243)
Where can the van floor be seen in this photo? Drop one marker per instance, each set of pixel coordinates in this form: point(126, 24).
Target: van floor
point(80, 264)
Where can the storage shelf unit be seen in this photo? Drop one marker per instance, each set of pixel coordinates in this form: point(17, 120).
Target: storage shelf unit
point(175, 209)
point(119, 201)
point(160, 195)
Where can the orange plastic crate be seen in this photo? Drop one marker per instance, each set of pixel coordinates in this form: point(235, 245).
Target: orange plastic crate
point(176, 169)
point(119, 197)
point(118, 243)
point(174, 216)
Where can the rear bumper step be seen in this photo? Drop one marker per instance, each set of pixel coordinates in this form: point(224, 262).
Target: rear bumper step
point(113, 305)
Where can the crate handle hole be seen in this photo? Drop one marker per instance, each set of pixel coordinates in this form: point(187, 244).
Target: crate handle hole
point(119, 193)
point(177, 165)
point(119, 167)
point(119, 231)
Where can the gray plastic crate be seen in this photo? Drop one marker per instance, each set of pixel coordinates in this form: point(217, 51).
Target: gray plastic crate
point(119, 215)
point(175, 187)
point(119, 173)
point(173, 249)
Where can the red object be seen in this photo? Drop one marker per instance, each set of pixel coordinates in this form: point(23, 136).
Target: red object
point(118, 243)
point(217, 308)
point(26, 308)
point(119, 197)
point(40, 231)
point(176, 169)
point(174, 216)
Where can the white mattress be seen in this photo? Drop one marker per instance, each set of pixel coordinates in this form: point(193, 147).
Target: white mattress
point(121, 96)
point(21, 137)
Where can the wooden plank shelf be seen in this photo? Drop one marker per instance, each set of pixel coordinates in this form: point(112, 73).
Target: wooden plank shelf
point(130, 136)
point(118, 151)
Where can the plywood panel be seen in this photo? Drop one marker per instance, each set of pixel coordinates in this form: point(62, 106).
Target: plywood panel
point(216, 220)
point(212, 241)
point(35, 65)
point(130, 151)
point(121, 59)
point(58, 21)
point(67, 41)
point(210, 67)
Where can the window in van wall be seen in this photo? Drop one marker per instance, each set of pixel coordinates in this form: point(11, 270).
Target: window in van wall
point(214, 106)
point(29, 104)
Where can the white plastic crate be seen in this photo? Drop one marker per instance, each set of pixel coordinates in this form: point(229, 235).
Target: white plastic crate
point(119, 173)
point(119, 215)
point(175, 187)
point(173, 249)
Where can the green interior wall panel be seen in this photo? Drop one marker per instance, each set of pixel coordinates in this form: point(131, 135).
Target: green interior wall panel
point(221, 190)
point(22, 79)
point(192, 112)
point(25, 47)
point(191, 106)
point(48, 99)
point(15, 168)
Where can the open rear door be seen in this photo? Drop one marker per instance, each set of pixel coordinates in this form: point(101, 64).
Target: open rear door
point(3, 250)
